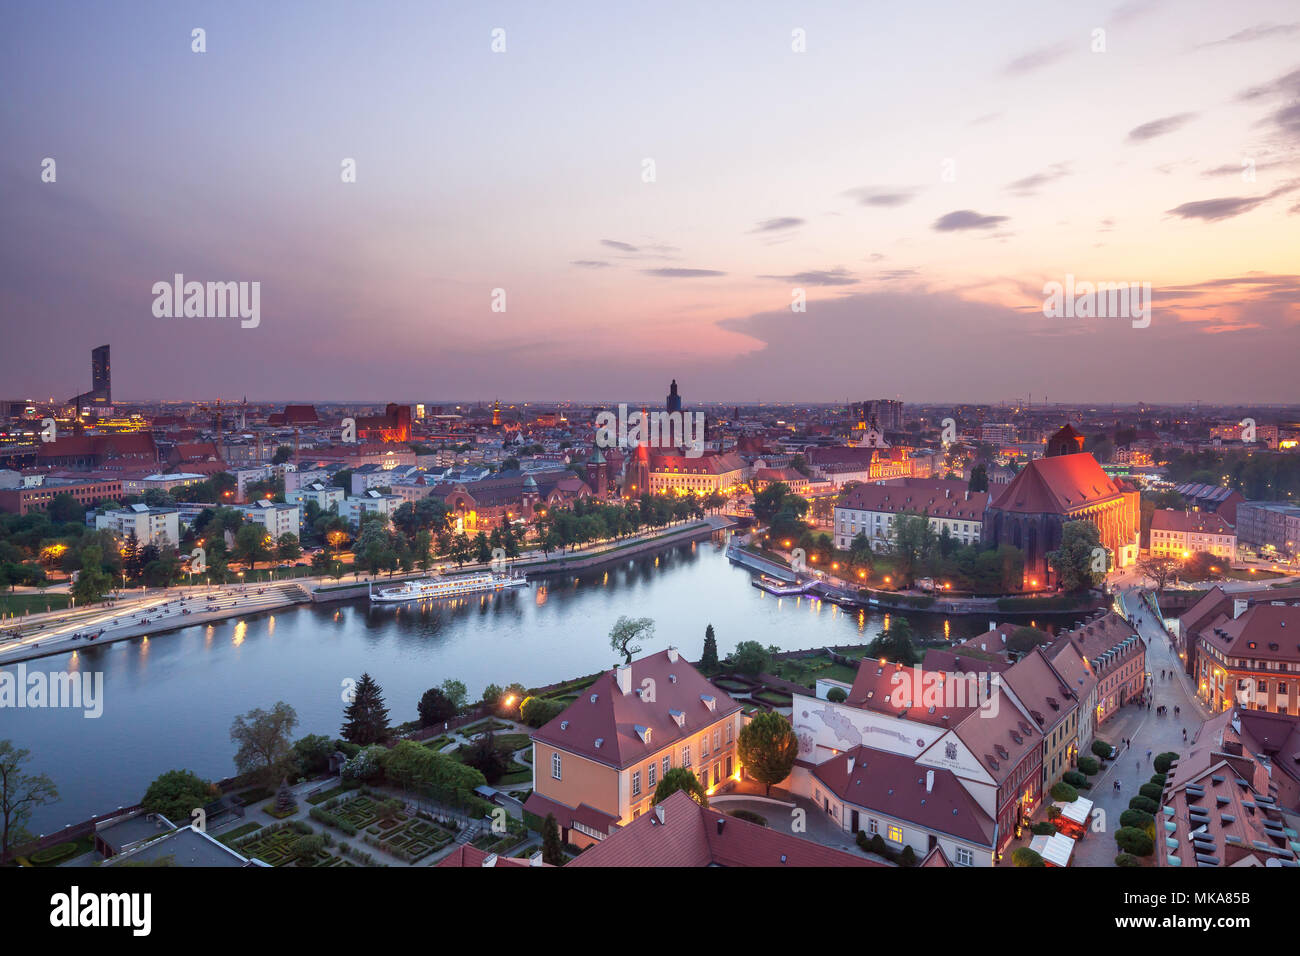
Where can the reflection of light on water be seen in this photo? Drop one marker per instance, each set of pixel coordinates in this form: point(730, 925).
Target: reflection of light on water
point(886, 622)
point(947, 630)
point(270, 626)
point(338, 616)
point(862, 621)
point(540, 600)
point(241, 631)
point(656, 560)
point(604, 581)
point(208, 633)
point(75, 663)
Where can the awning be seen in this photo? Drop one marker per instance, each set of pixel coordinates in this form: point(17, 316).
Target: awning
point(1054, 849)
point(1078, 811)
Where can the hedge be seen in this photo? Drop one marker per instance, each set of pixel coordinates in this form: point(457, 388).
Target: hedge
point(1042, 829)
point(1159, 779)
point(1144, 803)
point(1064, 793)
point(1023, 856)
point(1151, 791)
point(1164, 760)
point(1101, 748)
point(1075, 779)
point(1089, 765)
point(54, 854)
point(1127, 859)
point(1137, 819)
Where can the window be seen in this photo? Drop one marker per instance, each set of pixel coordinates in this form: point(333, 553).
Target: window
point(872, 826)
point(686, 756)
point(730, 731)
point(636, 783)
point(668, 763)
point(965, 857)
point(895, 834)
point(555, 766)
point(650, 775)
point(717, 738)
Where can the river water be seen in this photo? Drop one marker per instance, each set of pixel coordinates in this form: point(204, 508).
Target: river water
point(168, 701)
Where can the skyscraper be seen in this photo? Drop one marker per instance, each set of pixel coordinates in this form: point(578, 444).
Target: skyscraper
point(100, 397)
point(674, 403)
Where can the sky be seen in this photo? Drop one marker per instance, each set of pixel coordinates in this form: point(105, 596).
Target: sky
point(648, 189)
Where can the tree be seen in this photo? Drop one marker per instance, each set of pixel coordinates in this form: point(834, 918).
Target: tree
point(20, 794)
point(1073, 561)
point(1025, 639)
point(252, 544)
point(768, 748)
point(750, 657)
point(287, 547)
point(365, 719)
point(680, 778)
point(486, 757)
point(979, 479)
point(285, 803)
point(265, 748)
point(456, 692)
point(435, 707)
point(552, 849)
point(176, 793)
point(1158, 571)
point(895, 644)
point(1024, 857)
point(625, 631)
point(913, 540)
point(313, 754)
point(282, 454)
point(709, 658)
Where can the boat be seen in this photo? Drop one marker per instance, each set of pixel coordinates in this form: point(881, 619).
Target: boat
point(778, 587)
point(425, 589)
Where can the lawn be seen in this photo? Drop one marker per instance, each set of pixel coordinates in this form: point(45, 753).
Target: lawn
point(325, 795)
point(32, 603)
point(239, 833)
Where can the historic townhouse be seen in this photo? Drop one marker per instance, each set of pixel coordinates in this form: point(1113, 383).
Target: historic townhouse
point(1117, 656)
point(597, 764)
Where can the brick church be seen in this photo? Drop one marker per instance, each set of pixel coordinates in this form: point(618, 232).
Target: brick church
point(1065, 485)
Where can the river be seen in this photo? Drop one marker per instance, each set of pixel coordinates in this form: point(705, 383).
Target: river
point(168, 701)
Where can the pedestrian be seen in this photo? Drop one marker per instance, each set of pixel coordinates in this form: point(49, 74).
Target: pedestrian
point(1148, 756)
point(1137, 765)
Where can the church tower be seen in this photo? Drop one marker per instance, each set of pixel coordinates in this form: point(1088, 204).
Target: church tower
point(598, 473)
point(674, 402)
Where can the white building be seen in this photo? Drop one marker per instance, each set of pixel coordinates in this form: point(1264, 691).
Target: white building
point(322, 494)
point(870, 510)
point(276, 518)
point(370, 503)
point(158, 526)
point(1180, 534)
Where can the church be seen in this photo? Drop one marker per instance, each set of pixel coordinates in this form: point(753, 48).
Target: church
point(1065, 485)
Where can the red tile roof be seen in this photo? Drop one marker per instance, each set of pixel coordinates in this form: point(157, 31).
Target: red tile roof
point(961, 505)
point(468, 856)
point(691, 835)
point(894, 785)
point(1189, 522)
point(622, 728)
point(1057, 485)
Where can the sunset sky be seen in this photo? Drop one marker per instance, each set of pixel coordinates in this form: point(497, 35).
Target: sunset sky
point(921, 171)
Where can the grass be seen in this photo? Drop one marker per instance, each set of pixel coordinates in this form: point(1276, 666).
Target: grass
point(239, 833)
point(63, 852)
point(32, 603)
point(325, 795)
point(437, 743)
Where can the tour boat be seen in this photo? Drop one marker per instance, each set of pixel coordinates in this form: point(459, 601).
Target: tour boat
point(439, 587)
point(778, 587)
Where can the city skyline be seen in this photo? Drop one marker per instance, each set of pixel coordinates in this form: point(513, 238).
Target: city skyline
point(920, 186)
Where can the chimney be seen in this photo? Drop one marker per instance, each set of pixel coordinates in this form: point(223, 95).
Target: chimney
point(1239, 606)
point(993, 625)
point(672, 655)
point(929, 781)
point(623, 677)
point(721, 820)
point(490, 860)
point(535, 859)
point(659, 813)
point(850, 766)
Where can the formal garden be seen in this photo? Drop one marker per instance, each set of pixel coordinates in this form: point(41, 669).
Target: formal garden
point(386, 825)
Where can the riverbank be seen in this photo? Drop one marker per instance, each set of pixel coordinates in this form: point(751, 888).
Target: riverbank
point(173, 611)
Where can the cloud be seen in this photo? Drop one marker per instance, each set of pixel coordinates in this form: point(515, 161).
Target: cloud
point(1036, 59)
point(682, 273)
point(1030, 185)
point(1159, 127)
point(818, 277)
point(1262, 31)
point(966, 219)
point(620, 246)
point(881, 195)
point(1286, 85)
point(1213, 210)
point(1132, 10)
point(1228, 169)
point(776, 225)
point(590, 263)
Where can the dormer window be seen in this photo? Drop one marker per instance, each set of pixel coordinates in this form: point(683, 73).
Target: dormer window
point(644, 733)
point(709, 701)
point(678, 717)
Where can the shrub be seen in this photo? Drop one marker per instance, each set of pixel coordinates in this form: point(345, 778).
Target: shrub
point(908, 856)
point(1042, 829)
point(1164, 760)
point(1151, 791)
point(1134, 841)
point(1062, 792)
point(1137, 819)
point(1101, 748)
point(1159, 779)
point(836, 695)
point(54, 854)
point(1089, 765)
point(1075, 779)
point(877, 845)
point(1144, 803)
point(753, 817)
point(1023, 856)
point(536, 711)
point(301, 826)
point(1127, 859)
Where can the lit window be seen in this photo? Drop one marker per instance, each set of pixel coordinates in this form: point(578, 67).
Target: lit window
point(895, 834)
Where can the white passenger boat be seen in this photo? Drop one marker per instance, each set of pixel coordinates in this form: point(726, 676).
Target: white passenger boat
point(778, 587)
point(438, 586)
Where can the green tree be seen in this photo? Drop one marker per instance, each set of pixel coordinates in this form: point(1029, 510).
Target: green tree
point(365, 719)
point(680, 778)
point(896, 643)
point(20, 794)
point(176, 793)
point(768, 748)
point(552, 849)
point(456, 692)
point(709, 658)
point(252, 544)
point(1074, 560)
point(913, 541)
point(265, 742)
point(750, 657)
point(435, 707)
point(626, 631)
